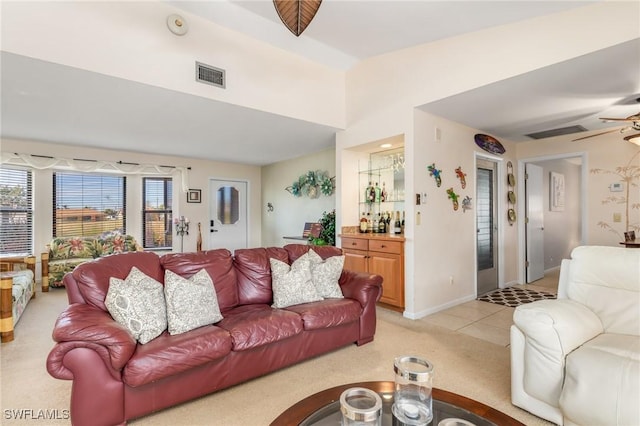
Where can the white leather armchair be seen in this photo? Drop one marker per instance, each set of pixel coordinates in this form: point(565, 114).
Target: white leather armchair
point(576, 360)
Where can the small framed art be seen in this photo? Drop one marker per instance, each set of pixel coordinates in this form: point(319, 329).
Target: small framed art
point(194, 196)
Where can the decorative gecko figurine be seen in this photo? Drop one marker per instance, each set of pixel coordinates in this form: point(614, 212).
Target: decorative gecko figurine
point(454, 197)
point(461, 176)
point(466, 203)
point(435, 173)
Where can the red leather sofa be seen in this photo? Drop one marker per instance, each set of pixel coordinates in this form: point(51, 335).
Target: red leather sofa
point(115, 379)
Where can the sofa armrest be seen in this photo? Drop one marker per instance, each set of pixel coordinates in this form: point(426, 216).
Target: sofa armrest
point(365, 288)
point(85, 326)
point(552, 329)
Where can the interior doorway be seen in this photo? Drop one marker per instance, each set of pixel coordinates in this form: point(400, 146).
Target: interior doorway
point(548, 233)
point(486, 226)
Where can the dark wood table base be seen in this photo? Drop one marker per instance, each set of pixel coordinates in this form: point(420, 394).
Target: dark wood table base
point(303, 409)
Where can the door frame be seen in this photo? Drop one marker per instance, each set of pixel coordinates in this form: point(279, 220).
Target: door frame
point(500, 176)
point(521, 205)
point(248, 207)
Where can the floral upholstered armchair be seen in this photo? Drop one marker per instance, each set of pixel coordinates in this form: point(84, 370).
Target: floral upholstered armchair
point(65, 253)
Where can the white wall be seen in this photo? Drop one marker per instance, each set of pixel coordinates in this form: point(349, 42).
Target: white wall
point(290, 212)
point(201, 172)
point(130, 40)
point(562, 229)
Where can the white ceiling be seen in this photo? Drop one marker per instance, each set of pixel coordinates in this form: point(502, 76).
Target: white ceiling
point(52, 102)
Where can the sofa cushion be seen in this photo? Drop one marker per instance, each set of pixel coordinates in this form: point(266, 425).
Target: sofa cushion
point(116, 243)
point(58, 269)
point(191, 303)
point(292, 285)
point(296, 250)
point(601, 383)
point(325, 274)
point(93, 277)
point(138, 303)
point(218, 264)
point(167, 355)
point(609, 288)
point(251, 326)
point(327, 313)
point(72, 247)
point(254, 273)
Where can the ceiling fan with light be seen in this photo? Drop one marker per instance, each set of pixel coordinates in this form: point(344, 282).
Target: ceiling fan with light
point(635, 125)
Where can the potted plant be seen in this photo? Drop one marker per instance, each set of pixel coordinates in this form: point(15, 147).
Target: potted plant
point(327, 236)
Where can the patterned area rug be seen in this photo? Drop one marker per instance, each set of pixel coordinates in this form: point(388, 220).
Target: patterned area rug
point(513, 297)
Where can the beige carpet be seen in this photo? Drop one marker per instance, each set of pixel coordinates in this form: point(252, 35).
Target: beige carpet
point(463, 364)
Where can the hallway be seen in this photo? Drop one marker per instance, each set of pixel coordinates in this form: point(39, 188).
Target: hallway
point(489, 321)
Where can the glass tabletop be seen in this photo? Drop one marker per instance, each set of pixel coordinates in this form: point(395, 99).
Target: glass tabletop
point(330, 414)
point(323, 408)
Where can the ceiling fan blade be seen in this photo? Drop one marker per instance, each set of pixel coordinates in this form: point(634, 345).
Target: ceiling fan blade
point(634, 117)
point(597, 134)
point(296, 15)
point(617, 119)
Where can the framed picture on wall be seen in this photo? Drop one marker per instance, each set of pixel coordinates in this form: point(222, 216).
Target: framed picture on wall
point(194, 196)
point(556, 192)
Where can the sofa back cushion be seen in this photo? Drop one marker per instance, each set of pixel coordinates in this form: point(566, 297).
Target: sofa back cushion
point(93, 277)
point(607, 281)
point(116, 244)
point(297, 250)
point(61, 248)
point(218, 263)
point(254, 273)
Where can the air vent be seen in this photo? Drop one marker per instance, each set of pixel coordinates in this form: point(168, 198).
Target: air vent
point(557, 132)
point(210, 75)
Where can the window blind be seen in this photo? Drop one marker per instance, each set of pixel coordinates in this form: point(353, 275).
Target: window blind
point(87, 205)
point(16, 212)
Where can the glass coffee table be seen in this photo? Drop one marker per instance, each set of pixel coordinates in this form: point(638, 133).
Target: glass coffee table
point(323, 408)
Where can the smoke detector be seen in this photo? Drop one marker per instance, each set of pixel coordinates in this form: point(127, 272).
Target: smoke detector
point(177, 25)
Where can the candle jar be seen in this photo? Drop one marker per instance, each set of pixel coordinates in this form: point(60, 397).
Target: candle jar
point(412, 395)
point(360, 407)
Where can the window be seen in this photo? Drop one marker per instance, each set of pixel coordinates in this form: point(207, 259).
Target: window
point(87, 205)
point(16, 212)
point(157, 213)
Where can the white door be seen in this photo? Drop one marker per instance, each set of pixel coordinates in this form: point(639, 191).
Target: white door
point(228, 214)
point(486, 226)
point(534, 222)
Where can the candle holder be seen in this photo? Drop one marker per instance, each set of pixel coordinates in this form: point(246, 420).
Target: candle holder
point(182, 228)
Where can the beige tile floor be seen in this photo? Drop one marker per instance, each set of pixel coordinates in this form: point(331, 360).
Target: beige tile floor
point(488, 321)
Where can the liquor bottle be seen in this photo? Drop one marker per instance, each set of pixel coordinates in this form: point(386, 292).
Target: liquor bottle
point(383, 194)
point(389, 224)
point(363, 223)
point(378, 193)
point(369, 223)
point(376, 223)
point(402, 223)
point(381, 224)
point(397, 227)
point(367, 193)
point(372, 193)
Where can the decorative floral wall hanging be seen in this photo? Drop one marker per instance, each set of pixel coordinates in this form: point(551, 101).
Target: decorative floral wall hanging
point(312, 184)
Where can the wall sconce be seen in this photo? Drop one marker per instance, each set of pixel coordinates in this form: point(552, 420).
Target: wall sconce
point(269, 208)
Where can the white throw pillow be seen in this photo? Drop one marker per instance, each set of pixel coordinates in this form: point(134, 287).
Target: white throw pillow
point(325, 274)
point(191, 303)
point(292, 285)
point(137, 302)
